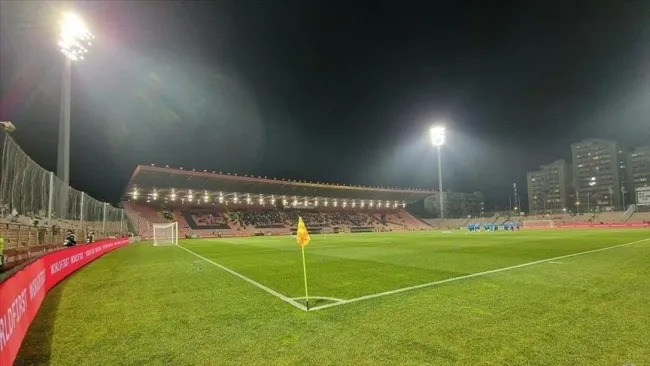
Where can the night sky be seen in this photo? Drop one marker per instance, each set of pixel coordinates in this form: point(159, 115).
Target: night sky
point(335, 91)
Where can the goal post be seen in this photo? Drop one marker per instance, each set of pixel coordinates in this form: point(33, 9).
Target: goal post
point(165, 234)
point(538, 224)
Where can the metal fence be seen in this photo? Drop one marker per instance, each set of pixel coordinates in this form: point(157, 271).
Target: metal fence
point(38, 208)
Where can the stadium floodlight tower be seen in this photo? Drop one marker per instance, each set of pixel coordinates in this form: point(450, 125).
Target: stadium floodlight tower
point(437, 134)
point(74, 40)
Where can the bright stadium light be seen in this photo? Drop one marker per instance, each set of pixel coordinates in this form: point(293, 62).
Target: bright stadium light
point(437, 134)
point(75, 38)
point(74, 41)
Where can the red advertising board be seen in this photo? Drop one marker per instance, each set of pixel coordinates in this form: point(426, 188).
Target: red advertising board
point(17, 256)
point(21, 294)
point(586, 225)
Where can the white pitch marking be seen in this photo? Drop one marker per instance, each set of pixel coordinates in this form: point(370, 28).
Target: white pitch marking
point(252, 282)
point(555, 262)
point(319, 298)
point(372, 296)
point(285, 250)
point(248, 252)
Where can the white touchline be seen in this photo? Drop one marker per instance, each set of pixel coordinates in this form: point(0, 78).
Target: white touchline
point(372, 296)
point(252, 282)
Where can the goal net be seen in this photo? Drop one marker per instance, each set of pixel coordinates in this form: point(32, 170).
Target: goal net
point(538, 224)
point(165, 234)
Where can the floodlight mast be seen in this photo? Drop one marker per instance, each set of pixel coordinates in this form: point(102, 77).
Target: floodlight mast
point(437, 134)
point(74, 41)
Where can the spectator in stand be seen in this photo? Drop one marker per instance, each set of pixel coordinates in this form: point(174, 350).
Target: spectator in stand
point(70, 239)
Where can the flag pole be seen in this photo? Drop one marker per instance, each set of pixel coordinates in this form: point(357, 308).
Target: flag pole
point(302, 237)
point(304, 270)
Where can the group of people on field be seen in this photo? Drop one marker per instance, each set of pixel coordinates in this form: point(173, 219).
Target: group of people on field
point(507, 226)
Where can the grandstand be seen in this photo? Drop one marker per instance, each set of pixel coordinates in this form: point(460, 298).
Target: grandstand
point(210, 204)
point(214, 204)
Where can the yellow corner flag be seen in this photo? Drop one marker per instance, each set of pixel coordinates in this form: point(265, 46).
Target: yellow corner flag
point(302, 235)
point(302, 238)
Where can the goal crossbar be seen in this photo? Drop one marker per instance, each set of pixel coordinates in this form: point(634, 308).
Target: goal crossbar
point(165, 234)
point(538, 224)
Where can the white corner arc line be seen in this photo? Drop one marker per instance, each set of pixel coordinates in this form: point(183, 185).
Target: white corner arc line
point(319, 298)
point(252, 282)
point(478, 274)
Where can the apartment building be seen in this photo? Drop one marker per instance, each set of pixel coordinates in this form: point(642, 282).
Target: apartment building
point(599, 174)
point(549, 188)
point(638, 169)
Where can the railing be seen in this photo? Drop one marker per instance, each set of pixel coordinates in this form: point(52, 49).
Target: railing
point(37, 208)
point(19, 236)
point(629, 212)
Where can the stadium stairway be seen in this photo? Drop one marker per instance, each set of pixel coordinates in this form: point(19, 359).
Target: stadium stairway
point(418, 223)
point(143, 216)
point(413, 222)
point(390, 221)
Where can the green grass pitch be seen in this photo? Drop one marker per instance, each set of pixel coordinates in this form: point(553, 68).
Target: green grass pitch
point(145, 305)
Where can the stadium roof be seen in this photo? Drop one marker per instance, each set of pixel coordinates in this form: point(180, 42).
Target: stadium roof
point(154, 178)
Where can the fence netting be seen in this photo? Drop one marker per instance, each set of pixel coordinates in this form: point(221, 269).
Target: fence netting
point(35, 201)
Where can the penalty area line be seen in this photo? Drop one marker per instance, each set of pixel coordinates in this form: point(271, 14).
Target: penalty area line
point(251, 281)
point(478, 274)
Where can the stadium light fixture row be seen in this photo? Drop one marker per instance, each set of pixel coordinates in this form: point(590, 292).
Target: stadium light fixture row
point(294, 202)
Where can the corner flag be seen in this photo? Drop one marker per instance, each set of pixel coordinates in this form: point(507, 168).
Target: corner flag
point(302, 235)
point(302, 238)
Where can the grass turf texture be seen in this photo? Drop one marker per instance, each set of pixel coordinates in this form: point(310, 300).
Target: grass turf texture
point(165, 306)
